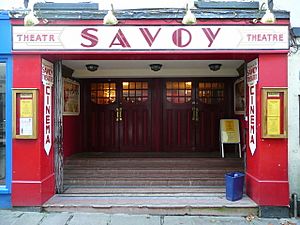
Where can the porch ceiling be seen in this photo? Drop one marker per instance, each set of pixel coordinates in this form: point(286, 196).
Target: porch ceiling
point(141, 68)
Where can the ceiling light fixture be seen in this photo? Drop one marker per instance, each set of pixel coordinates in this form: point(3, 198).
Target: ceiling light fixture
point(92, 67)
point(215, 66)
point(155, 67)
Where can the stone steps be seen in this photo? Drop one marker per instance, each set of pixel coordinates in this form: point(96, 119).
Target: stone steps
point(145, 185)
point(148, 172)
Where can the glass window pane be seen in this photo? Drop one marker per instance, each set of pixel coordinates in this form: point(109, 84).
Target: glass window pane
point(188, 99)
point(104, 92)
point(211, 92)
point(125, 93)
point(132, 85)
point(135, 92)
point(145, 85)
point(169, 85)
point(181, 85)
point(138, 93)
point(188, 92)
point(179, 91)
point(2, 123)
point(145, 93)
point(106, 86)
point(132, 93)
point(175, 85)
point(188, 85)
point(125, 85)
point(138, 85)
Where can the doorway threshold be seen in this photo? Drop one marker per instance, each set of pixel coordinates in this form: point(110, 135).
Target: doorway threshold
point(153, 204)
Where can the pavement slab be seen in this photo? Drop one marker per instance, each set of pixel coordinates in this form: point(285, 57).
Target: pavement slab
point(12, 217)
point(30, 218)
point(8, 217)
point(89, 219)
point(135, 220)
point(56, 219)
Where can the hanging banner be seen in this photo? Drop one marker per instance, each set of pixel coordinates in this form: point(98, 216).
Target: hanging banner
point(252, 79)
point(47, 79)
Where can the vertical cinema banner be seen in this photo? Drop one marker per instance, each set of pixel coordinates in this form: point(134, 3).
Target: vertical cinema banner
point(252, 79)
point(47, 79)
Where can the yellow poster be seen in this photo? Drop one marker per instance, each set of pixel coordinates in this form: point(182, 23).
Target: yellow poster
point(229, 131)
point(273, 116)
point(273, 125)
point(229, 125)
point(26, 108)
point(273, 107)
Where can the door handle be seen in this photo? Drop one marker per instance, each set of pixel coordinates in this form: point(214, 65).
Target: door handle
point(193, 113)
point(120, 113)
point(196, 114)
point(117, 114)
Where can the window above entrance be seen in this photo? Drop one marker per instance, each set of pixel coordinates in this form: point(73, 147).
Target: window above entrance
point(211, 92)
point(179, 92)
point(103, 93)
point(134, 92)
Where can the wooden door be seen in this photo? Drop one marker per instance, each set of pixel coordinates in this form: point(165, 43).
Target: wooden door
point(192, 110)
point(210, 101)
point(135, 116)
point(120, 118)
point(104, 127)
point(178, 126)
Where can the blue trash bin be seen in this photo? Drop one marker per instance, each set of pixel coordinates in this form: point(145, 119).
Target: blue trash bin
point(234, 185)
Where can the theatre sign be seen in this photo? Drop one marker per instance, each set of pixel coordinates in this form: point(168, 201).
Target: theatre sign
point(138, 38)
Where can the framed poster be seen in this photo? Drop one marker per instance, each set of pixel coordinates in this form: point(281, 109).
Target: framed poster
point(71, 97)
point(25, 113)
point(239, 97)
point(274, 112)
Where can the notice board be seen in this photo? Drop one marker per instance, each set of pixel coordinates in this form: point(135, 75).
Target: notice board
point(229, 131)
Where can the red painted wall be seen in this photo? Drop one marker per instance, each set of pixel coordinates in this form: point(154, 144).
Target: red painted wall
point(267, 170)
point(33, 172)
point(71, 135)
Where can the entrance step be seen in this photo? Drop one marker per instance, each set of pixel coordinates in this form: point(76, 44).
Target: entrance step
point(131, 191)
point(88, 171)
point(155, 204)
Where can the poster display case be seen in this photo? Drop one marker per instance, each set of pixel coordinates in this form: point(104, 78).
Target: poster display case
point(25, 113)
point(274, 112)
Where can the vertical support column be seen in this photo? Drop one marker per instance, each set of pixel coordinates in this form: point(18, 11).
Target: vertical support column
point(33, 170)
point(267, 168)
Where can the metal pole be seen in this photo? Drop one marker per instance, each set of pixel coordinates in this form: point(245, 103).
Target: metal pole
point(295, 198)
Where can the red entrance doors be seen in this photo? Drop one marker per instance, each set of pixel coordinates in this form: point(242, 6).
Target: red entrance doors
point(192, 111)
point(120, 116)
point(179, 115)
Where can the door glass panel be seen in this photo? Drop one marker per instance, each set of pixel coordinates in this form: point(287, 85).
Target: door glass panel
point(134, 92)
point(179, 91)
point(211, 92)
point(103, 93)
point(2, 123)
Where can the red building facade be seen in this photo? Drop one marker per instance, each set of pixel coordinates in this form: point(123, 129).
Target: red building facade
point(262, 47)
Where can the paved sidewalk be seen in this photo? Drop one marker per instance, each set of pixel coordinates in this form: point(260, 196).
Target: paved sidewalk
point(12, 217)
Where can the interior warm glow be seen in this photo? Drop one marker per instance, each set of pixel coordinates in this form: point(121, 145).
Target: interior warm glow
point(188, 84)
point(125, 85)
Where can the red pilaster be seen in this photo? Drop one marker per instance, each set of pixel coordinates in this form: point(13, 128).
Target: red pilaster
point(33, 171)
point(267, 170)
